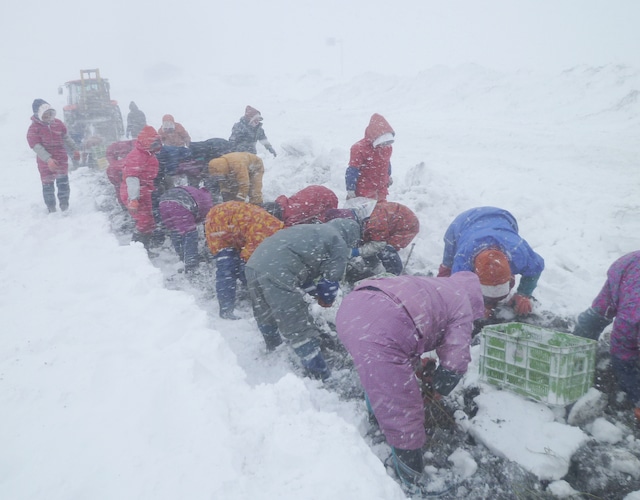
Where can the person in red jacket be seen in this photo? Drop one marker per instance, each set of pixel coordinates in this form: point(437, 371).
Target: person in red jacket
point(390, 228)
point(307, 206)
point(369, 172)
point(48, 137)
point(173, 133)
point(116, 154)
point(138, 175)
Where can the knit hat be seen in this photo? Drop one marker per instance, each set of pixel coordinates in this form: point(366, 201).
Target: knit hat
point(39, 107)
point(494, 272)
point(252, 114)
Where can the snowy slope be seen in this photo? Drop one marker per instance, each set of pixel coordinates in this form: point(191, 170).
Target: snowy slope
point(118, 380)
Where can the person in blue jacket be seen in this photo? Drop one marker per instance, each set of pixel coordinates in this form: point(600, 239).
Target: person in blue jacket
point(485, 240)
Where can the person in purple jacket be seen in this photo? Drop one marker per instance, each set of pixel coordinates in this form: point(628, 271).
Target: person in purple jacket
point(182, 209)
point(619, 299)
point(386, 324)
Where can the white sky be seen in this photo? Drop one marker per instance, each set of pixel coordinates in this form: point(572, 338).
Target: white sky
point(290, 36)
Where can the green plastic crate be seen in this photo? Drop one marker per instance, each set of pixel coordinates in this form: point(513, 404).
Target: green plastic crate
point(551, 367)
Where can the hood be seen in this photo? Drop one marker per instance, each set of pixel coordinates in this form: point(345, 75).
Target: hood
point(147, 137)
point(469, 283)
point(250, 112)
point(349, 231)
point(168, 118)
point(377, 127)
point(133, 106)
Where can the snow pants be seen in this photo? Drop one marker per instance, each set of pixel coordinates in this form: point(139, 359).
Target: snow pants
point(380, 336)
point(49, 192)
point(229, 269)
point(279, 305)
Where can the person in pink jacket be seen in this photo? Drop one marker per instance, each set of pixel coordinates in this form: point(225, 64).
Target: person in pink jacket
point(386, 324)
point(48, 138)
point(138, 176)
point(369, 171)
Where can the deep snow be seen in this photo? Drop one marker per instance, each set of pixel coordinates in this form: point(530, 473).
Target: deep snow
point(118, 380)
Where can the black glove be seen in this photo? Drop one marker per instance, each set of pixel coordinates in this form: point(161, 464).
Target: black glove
point(590, 324)
point(444, 381)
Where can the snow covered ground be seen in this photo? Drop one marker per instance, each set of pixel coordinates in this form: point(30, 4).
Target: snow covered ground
point(118, 379)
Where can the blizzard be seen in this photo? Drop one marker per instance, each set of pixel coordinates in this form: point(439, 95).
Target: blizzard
point(119, 380)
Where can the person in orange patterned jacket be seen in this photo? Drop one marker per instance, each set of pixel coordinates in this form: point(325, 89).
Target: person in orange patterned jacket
point(173, 133)
point(239, 176)
point(138, 176)
point(234, 229)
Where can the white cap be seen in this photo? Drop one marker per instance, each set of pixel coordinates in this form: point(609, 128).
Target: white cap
point(43, 109)
point(384, 140)
point(495, 291)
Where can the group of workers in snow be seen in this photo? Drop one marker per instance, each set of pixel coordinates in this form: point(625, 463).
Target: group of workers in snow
point(304, 244)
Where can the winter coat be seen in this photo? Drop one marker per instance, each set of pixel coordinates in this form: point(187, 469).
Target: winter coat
point(307, 206)
point(244, 134)
point(620, 298)
point(239, 176)
point(136, 120)
point(290, 259)
point(299, 254)
point(116, 154)
point(141, 164)
point(53, 137)
point(373, 163)
point(481, 228)
point(386, 324)
point(391, 222)
point(238, 225)
point(176, 136)
point(184, 207)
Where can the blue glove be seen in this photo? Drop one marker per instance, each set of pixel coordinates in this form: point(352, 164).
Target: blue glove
point(327, 292)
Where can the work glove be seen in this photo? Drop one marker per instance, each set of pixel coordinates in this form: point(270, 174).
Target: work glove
point(444, 271)
point(521, 304)
point(76, 156)
point(273, 152)
point(310, 288)
point(52, 164)
point(327, 292)
point(133, 206)
point(444, 381)
point(351, 194)
point(590, 324)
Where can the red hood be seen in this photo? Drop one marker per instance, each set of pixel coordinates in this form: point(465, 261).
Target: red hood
point(378, 126)
point(146, 138)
